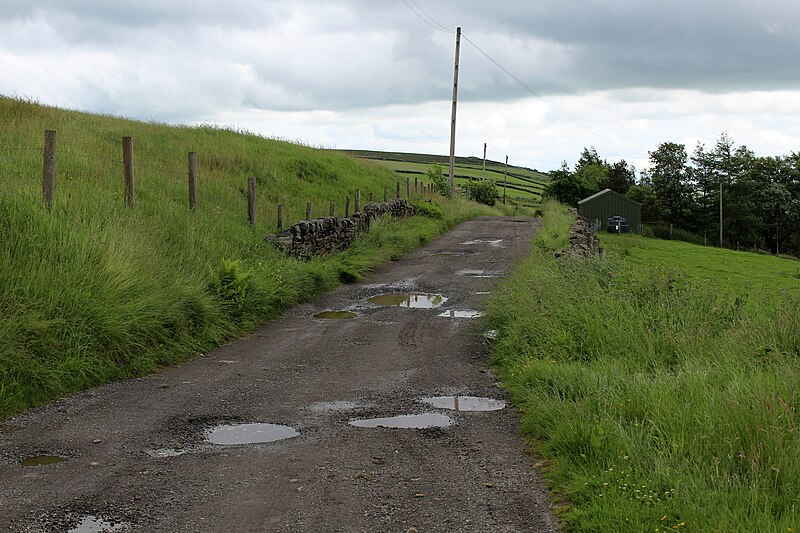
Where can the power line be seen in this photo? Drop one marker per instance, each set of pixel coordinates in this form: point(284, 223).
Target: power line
point(427, 19)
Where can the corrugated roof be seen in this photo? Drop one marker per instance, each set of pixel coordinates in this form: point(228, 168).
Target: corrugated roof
point(603, 193)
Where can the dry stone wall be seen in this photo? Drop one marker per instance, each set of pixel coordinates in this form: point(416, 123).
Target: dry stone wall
point(582, 242)
point(325, 235)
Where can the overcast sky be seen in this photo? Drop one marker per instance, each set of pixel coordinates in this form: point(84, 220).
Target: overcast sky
point(619, 75)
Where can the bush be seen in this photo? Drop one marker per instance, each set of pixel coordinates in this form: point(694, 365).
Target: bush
point(434, 175)
point(483, 192)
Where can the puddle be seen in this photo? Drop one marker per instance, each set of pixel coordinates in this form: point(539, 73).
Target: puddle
point(249, 433)
point(463, 313)
point(491, 334)
point(458, 254)
point(483, 293)
point(333, 407)
point(478, 273)
point(414, 300)
point(465, 403)
point(40, 460)
point(422, 421)
point(336, 315)
point(94, 524)
point(494, 243)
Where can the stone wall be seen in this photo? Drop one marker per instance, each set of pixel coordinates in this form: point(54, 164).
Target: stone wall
point(325, 235)
point(582, 242)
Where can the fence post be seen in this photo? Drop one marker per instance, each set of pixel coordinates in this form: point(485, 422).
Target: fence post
point(280, 217)
point(251, 200)
point(467, 192)
point(385, 195)
point(347, 206)
point(397, 193)
point(49, 168)
point(332, 210)
point(192, 180)
point(358, 201)
point(408, 188)
point(127, 163)
point(416, 187)
point(308, 211)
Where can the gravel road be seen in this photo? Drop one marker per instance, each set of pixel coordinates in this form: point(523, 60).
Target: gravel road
point(137, 455)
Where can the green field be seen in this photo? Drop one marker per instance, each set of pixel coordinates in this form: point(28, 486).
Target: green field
point(659, 385)
point(92, 290)
point(523, 185)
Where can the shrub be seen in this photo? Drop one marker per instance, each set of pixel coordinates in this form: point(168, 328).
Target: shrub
point(483, 192)
point(434, 175)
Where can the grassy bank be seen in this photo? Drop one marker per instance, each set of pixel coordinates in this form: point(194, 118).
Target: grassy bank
point(660, 383)
point(93, 291)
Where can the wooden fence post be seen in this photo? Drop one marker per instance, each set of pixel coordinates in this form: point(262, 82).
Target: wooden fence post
point(347, 206)
point(358, 201)
point(192, 180)
point(280, 217)
point(308, 211)
point(332, 211)
point(49, 168)
point(251, 200)
point(127, 163)
point(397, 194)
point(416, 187)
point(408, 188)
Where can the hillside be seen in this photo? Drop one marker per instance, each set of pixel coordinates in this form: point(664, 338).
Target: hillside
point(523, 185)
point(92, 290)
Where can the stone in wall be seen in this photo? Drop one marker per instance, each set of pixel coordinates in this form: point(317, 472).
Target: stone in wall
point(582, 242)
point(321, 236)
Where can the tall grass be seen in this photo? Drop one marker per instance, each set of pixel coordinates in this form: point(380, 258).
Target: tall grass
point(662, 400)
point(93, 291)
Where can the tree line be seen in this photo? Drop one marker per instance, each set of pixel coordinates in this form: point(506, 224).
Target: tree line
point(759, 196)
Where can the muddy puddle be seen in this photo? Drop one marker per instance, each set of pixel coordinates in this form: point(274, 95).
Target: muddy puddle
point(95, 524)
point(494, 243)
point(41, 460)
point(162, 453)
point(461, 313)
point(420, 421)
point(249, 434)
point(464, 403)
point(479, 273)
point(333, 407)
point(336, 315)
point(412, 300)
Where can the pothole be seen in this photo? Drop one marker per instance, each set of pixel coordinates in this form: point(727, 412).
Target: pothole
point(461, 313)
point(336, 315)
point(413, 300)
point(95, 524)
point(494, 243)
point(41, 460)
point(478, 273)
point(162, 453)
point(333, 407)
point(465, 403)
point(420, 421)
point(249, 434)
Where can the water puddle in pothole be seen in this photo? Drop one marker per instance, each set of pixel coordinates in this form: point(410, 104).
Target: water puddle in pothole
point(413, 300)
point(336, 315)
point(462, 313)
point(421, 421)
point(249, 433)
point(494, 243)
point(478, 273)
point(41, 460)
point(482, 293)
point(163, 453)
point(95, 524)
point(465, 403)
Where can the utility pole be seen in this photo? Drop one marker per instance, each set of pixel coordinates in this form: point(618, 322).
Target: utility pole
point(720, 211)
point(484, 160)
point(453, 116)
point(505, 178)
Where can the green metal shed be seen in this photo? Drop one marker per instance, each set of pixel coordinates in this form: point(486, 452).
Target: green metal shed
point(606, 204)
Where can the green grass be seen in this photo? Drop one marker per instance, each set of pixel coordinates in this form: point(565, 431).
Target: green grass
point(660, 384)
point(93, 291)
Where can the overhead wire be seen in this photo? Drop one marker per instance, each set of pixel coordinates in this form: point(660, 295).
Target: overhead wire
point(418, 10)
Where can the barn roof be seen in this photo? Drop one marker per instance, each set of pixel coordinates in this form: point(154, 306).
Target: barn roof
point(604, 192)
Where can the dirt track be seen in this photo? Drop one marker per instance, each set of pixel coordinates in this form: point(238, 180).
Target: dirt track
point(314, 375)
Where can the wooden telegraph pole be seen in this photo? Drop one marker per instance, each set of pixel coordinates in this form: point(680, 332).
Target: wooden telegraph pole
point(453, 115)
point(505, 178)
point(484, 160)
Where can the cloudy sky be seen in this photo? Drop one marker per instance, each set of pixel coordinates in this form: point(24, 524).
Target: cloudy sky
point(619, 75)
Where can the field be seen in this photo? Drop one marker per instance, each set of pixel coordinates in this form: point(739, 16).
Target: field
point(92, 291)
point(658, 385)
point(523, 185)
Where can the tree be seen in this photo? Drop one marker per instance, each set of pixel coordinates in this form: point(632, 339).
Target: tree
point(568, 187)
point(671, 182)
point(435, 176)
point(620, 177)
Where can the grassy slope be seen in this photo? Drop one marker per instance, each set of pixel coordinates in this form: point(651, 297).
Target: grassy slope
point(93, 291)
point(660, 384)
point(526, 185)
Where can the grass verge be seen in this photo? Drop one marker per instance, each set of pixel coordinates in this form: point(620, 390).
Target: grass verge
point(664, 399)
